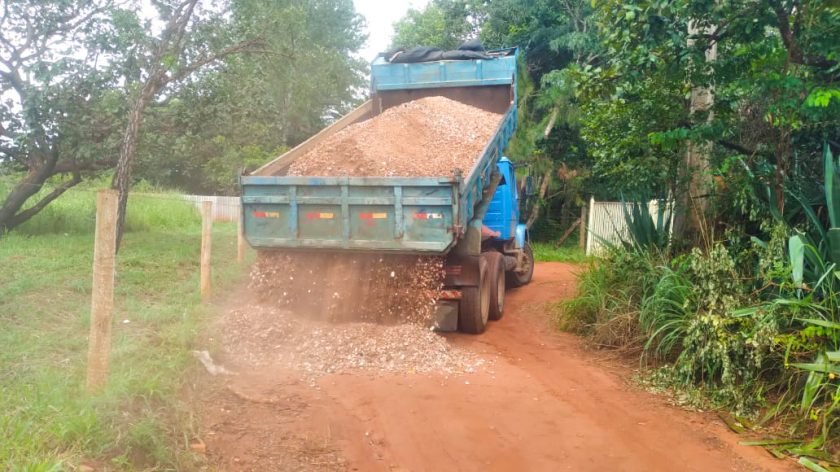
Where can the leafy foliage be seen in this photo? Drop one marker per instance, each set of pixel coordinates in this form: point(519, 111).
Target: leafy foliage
point(70, 70)
point(644, 233)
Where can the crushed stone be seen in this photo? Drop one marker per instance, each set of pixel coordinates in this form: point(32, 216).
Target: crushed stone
point(428, 137)
point(259, 336)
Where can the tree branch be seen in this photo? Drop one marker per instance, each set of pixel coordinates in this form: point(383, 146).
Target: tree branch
point(33, 210)
point(795, 53)
point(213, 57)
point(67, 166)
point(743, 149)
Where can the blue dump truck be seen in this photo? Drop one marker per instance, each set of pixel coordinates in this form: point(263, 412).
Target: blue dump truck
point(441, 216)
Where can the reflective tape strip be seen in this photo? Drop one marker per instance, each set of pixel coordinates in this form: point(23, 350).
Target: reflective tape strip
point(266, 214)
point(449, 295)
point(428, 216)
point(319, 216)
point(453, 269)
point(373, 216)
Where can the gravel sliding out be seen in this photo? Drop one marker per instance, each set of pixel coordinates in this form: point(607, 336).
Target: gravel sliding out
point(383, 288)
point(259, 336)
point(429, 137)
point(322, 313)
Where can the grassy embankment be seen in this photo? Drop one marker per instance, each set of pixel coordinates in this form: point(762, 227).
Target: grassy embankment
point(138, 422)
point(548, 252)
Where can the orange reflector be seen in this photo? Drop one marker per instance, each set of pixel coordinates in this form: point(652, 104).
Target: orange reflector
point(428, 216)
point(266, 214)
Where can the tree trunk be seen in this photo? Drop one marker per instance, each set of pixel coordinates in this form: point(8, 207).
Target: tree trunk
point(10, 214)
point(122, 175)
point(693, 204)
point(535, 210)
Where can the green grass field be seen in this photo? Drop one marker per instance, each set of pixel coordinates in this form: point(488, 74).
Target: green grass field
point(548, 252)
point(138, 422)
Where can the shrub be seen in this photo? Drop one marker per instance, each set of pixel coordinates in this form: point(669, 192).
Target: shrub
point(610, 293)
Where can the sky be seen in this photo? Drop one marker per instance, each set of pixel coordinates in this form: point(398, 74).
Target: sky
point(380, 16)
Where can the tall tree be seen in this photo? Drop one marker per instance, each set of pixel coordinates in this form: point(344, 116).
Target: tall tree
point(254, 105)
point(56, 114)
point(186, 44)
point(774, 79)
point(443, 23)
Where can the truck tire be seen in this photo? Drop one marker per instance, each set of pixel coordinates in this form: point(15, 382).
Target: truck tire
point(518, 278)
point(474, 309)
point(496, 274)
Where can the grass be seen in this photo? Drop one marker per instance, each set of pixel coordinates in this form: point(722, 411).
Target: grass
point(138, 422)
point(548, 252)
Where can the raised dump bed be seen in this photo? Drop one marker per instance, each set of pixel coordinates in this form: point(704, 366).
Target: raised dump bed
point(394, 214)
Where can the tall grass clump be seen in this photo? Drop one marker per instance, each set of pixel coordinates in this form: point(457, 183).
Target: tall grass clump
point(750, 324)
point(609, 298)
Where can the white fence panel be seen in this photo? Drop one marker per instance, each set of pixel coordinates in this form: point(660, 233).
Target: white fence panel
point(224, 208)
point(607, 223)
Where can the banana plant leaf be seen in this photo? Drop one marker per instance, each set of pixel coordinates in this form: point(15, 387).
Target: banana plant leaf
point(832, 187)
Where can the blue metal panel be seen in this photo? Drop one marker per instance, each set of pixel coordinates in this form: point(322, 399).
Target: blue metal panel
point(439, 74)
point(503, 214)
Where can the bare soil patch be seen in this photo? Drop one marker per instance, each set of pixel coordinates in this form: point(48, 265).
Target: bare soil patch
point(542, 403)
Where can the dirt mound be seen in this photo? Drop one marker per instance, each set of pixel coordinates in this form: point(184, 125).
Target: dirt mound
point(350, 286)
point(429, 137)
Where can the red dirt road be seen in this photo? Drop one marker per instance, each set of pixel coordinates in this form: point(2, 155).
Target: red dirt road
point(544, 404)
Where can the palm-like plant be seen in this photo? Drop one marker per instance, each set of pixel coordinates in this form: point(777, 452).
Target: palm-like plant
point(646, 232)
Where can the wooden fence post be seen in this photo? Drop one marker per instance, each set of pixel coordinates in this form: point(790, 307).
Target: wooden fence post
point(102, 291)
point(583, 224)
point(240, 241)
point(206, 243)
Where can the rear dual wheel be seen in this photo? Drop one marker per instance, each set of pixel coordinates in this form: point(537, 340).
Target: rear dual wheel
point(474, 309)
point(486, 301)
point(496, 271)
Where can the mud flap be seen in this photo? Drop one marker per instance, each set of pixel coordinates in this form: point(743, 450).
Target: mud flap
point(446, 316)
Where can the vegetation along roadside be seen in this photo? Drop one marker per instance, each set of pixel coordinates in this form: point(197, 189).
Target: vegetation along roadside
point(138, 422)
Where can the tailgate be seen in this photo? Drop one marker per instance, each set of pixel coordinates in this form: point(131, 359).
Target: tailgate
point(406, 215)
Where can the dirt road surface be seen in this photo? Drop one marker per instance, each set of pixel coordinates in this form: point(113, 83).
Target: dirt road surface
point(544, 403)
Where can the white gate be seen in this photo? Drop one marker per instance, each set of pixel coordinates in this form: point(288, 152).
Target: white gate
point(607, 223)
point(224, 208)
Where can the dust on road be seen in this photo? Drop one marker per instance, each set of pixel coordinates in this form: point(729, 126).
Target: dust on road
point(541, 402)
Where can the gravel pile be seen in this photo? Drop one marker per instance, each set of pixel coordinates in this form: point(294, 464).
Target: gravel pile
point(350, 286)
point(429, 137)
point(260, 335)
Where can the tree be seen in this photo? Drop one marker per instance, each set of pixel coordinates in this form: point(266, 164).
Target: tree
point(73, 73)
point(58, 113)
point(767, 76)
point(181, 51)
point(253, 106)
point(443, 24)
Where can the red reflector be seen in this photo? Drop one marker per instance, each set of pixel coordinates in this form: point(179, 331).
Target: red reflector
point(421, 216)
point(259, 214)
point(449, 295)
point(453, 270)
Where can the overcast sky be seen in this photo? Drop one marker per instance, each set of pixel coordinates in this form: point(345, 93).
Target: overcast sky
point(380, 16)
